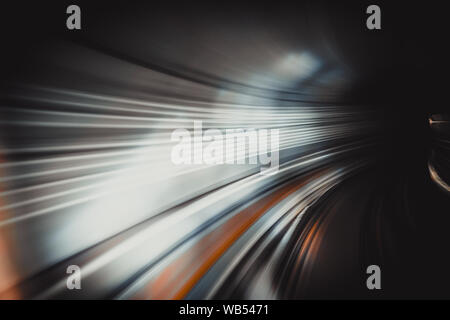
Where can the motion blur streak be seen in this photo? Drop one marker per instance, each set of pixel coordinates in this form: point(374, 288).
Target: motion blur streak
point(8, 275)
point(93, 172)
point(87, 178)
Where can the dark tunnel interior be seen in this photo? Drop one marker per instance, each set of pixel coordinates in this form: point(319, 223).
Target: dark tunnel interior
point(394, 81)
